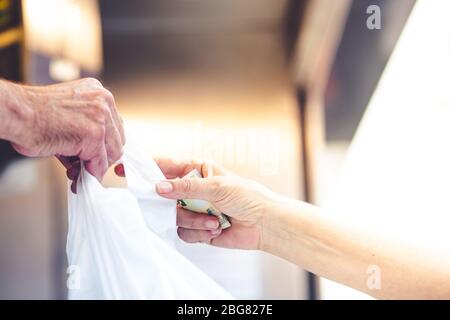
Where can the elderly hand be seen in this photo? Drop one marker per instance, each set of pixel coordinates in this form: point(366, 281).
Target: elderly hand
point(75, 121)
point(244, 201)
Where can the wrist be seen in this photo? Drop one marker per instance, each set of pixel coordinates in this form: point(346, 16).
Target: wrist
point(286, 222)
point(270, 222)
point(17, 113)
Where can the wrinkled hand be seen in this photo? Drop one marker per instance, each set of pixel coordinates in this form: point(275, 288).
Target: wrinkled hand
point(75, 121)
point(244, 201)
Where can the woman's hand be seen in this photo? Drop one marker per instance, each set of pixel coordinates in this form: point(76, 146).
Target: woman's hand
point(300, 233)
point(244, 201)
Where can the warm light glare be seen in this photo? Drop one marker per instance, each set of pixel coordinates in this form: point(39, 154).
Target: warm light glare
point(64, 70)
point(68, 29)
point(398, 164)
point(396, 177)
point(259, 147)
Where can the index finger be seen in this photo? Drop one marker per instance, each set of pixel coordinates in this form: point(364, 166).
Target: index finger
point(171, 168)
point(67, 162)
point(176, 168)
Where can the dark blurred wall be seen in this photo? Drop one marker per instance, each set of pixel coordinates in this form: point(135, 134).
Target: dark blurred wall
point(32, 229)
point(186, 17)
point(10, 61)
point(183, 35)
point(361, 58)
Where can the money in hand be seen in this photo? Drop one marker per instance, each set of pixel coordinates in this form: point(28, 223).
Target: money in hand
point(203, 206)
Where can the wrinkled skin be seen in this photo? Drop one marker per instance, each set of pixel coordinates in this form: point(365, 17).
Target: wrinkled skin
point(74, 121)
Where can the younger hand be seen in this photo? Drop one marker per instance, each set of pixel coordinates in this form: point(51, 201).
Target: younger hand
point(244, 201)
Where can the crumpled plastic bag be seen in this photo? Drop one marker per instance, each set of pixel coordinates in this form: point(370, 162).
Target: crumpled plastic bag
point(120, 241)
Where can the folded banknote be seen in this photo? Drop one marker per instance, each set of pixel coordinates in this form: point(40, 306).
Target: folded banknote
point(203, 206)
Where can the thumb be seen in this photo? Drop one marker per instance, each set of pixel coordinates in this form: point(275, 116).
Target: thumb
point(198, 188)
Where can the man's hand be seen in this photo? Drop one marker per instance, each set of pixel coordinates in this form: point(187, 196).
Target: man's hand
point(75, 121)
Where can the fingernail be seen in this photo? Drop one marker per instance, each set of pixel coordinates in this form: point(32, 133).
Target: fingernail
point(73, 187)
point(73, 172)
point(216, 232)
point(119, 170)
point(164, 187)
point(211, 224)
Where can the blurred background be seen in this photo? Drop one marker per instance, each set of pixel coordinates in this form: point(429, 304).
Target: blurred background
point(275, 90)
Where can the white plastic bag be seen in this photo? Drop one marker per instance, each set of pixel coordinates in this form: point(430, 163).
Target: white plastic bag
point(115, 243)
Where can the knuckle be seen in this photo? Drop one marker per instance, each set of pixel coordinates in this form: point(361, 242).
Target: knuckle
point(100, 107)
point(217, 183)
point(92, 82)
point(120, 125)
point(185, 185)
point(122, 133)
point(115, 155)
point(97, 133)
point(107, 96)
point(221, 187)
point(102, 110)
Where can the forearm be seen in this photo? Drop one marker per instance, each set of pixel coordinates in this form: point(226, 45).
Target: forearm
point(303, 235)
point(15, 113)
